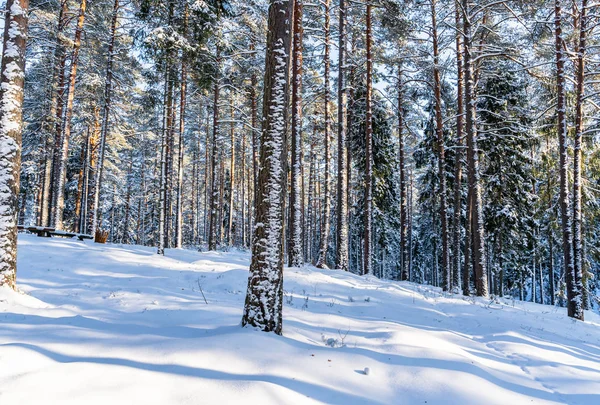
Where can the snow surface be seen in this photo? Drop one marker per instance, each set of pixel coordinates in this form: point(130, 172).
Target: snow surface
point(115, 324)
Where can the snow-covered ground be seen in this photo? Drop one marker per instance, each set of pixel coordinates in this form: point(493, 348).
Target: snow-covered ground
point(112, 324)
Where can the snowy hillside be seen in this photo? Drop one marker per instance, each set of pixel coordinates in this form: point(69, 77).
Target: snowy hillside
point(108, 324)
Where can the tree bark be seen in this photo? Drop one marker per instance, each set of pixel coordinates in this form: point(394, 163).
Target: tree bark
point(342, 170)
point(12, 75)
point(64, 144)
point(459, 155)
point(439, 129)
point(566, 222)
point(105, 118)
point(295, 256)
point(325, 227)
point(182, 106)
point(368, 219)
point(263, 306)
point(577, 163)
point(212, 242)
point(481, 284)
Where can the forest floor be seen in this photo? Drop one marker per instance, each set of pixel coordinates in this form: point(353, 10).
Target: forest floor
point(118, 324)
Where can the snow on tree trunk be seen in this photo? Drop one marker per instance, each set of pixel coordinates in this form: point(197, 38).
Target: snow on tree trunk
point(574, 299)
point(182, 106)
point(12, 75)
point(65, 139)
point(342, 175)
point(439, 129)
point(478, 248)
point(230, 214)
point(212, 225)
point(263, 307)
point(105, 118)
point(403, 187)
point(295, 251)
point(325, 227)
point(368, 212)
point(456, 269)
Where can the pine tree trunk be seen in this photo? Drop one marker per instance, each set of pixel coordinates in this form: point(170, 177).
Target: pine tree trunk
point(105, 119)
point(573, 296)
point(51, 121)
point(459, 155)
point(325, 227)
point(58, 110)
point(342, 171)
point(481, 284)
point(214, 191)
point(403, 187)
point(439, 129)
point(80, 181)
point(577, 163)
point(230, 231)
point(12, 77)
point(368, 215)
point(163, 167)
point(182, 105)
point(125, 238)
point(295, 245)
point(263, 306)
point(64, 144)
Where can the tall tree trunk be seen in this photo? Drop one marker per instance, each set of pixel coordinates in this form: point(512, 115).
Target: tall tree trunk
point(263, 306)
point(64, 144)
point(105, 117)
point(403, 187)
point(439, 129)
point(80, 181)
point(59, 112)
point(295, 245)
point(577, 163)
point(573, 296)
point(12, 77)
point(212, 242)
point(368, 215)
point(481, 284)
point(230, 231)
point(92, 170)
point(322, 260)
point(51, 121)
point(342, 171)
point(128, 181)
point(163, 183)
point(182, 105)
point(459, 154)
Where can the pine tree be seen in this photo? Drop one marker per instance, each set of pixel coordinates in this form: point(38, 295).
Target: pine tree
point(264, 297)
point(12, 75)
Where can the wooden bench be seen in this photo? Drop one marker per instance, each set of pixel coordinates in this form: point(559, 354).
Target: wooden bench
point(47, 232)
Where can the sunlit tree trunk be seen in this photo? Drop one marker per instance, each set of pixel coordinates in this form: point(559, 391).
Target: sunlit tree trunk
point(12, 77)
point(264, 298)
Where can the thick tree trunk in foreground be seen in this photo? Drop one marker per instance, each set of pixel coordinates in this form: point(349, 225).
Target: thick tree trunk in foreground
point(574, 307)
point(342, 175)
point(263, 307)
point(295, 251)
point(12, 77)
